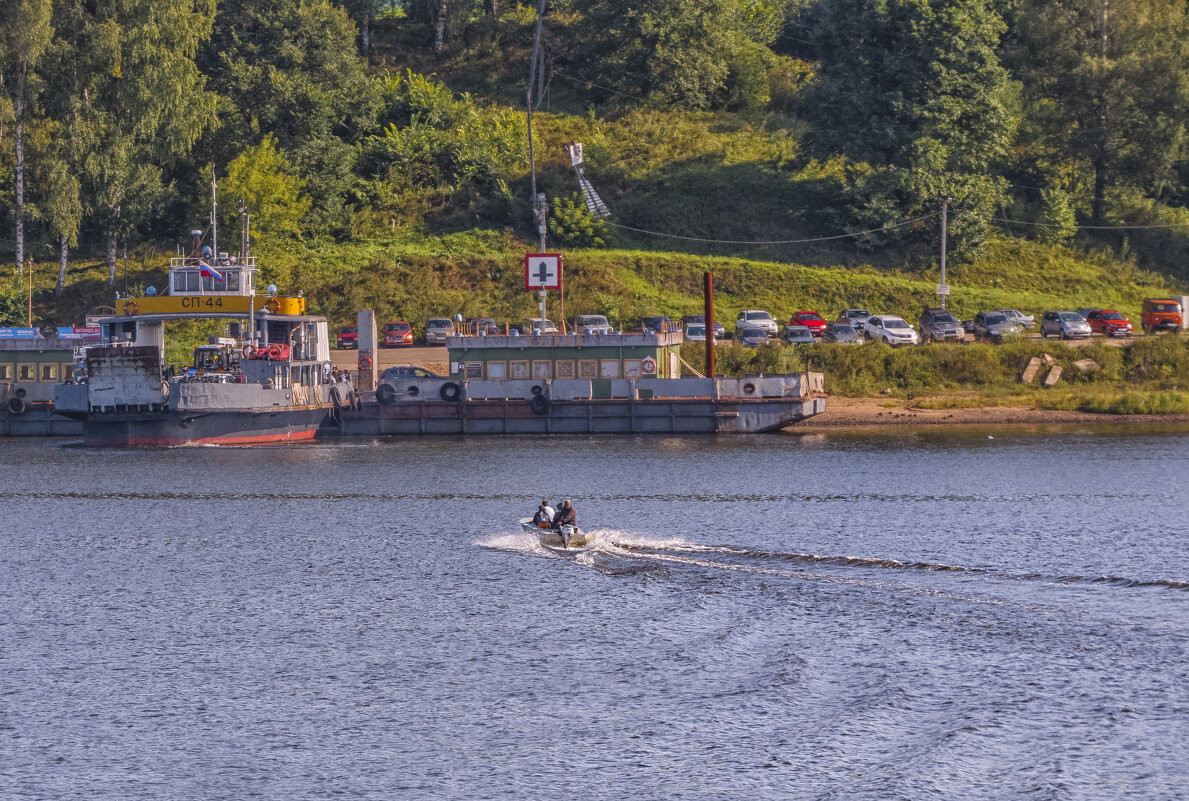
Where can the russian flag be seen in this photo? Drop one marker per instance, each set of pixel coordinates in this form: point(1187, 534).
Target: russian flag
point(211, 271)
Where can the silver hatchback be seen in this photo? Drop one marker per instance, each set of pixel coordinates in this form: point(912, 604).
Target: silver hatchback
point(1064, 324)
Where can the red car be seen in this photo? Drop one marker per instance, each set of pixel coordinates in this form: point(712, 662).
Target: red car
point(1109, 323)
point(398, 334)
point(348, 337)
point(811, 320)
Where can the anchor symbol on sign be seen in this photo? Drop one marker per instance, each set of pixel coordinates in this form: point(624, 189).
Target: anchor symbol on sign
point(542, 272)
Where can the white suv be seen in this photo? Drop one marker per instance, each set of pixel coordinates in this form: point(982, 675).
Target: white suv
point(890, 329)
point(756, 318)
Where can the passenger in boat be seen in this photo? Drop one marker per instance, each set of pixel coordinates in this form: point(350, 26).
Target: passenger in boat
point(549, 510)
point(566, 516)
point(543, 518)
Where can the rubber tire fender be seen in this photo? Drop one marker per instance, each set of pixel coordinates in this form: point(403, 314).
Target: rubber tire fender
point(450, 391)
point(16, 406)
point(386, 394)
point(336, 411)
point(749, 388)
point(539, 404)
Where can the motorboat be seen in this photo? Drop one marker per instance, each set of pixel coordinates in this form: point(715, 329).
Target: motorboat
point(567, 539)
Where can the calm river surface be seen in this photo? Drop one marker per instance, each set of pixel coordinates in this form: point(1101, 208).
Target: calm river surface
point(879, 616)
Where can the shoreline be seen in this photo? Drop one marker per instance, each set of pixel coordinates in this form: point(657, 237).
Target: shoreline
point(867, 413)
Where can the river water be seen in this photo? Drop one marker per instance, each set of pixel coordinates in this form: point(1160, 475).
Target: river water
point(854, 616)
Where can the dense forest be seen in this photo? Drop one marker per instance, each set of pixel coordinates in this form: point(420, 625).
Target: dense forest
point(374, 135)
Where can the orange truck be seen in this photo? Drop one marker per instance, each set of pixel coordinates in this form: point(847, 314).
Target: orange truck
point(1161, 314)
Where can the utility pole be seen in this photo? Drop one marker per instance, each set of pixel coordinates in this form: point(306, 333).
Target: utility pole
point(538, 200)
point(945, 208)
point(30, 263)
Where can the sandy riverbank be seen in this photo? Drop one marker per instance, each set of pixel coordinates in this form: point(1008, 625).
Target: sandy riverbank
point(869, 412)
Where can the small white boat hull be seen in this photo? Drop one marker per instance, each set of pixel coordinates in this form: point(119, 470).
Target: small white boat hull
point(552, 539)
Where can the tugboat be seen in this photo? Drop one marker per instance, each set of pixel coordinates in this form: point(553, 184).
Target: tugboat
point(270, 380)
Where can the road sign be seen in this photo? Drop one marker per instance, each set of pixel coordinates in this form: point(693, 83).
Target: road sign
point(542, 271)
point(943, 289)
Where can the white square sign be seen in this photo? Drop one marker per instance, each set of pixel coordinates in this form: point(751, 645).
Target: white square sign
point(542, 271)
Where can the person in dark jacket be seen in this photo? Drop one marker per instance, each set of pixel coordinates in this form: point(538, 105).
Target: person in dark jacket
point(566, 516)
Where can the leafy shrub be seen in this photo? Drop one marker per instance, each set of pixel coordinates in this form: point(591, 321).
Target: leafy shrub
point(574, 225)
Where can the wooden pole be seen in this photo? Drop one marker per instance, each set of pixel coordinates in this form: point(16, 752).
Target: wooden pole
point(30, 263)
point(708, 299)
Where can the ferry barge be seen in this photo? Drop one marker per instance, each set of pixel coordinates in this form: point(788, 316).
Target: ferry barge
point(269, 380)
point(579, 383)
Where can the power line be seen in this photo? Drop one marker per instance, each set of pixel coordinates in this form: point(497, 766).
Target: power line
point(774, 241)
point(598, 86)
point(1091, 227)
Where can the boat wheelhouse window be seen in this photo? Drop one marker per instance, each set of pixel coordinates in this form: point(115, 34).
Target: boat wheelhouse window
point(519, 369)
point(610, 368)
point(588, 368)
point(26, 372)
point(497, 370)
point(565, 369)
point(474, 369)
point(542, 369)
point(5, 372)
point(49, 372)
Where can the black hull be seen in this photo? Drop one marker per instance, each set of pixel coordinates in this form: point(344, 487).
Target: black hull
point(162, 429)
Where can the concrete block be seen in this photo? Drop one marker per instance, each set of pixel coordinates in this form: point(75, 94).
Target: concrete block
point(1031, 371)
point(1053, 377)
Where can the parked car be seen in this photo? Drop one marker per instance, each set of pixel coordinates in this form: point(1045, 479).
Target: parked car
point(756, 318)
point(1064, 324)
point(537, 325)
point(398, 334)
point(658, 323)
point(348, 337)
point(842, 332)
point(939, 325)
point(798, 335)
point(1086, 313)
point(856, 317)
point(1109, 322)
point(437, 329)
point(811, 320)
point(481, 326)
point(592, 324)
point(720, 333)
point(993, 325)
point(891, 330)
point(751, 336)
point(1161, 314)
point(1024, 321)
point(695, 332)
point(407, 371)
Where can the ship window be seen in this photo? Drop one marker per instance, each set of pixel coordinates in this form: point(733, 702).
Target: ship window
point(497, 370)
point(565, 369)
point(5, 372)
point(519, 369)
point(179, 281)
point(232, 277)
point(49, 372)
point(588, 368)
point(191, 280)
point(295, 376)
point(26, 372)
point(610, 368)
point(632, 368)
point(474, 369)
point(67, 370)
point(542, 369)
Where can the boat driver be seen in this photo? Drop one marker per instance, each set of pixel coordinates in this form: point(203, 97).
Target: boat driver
point(566, 516)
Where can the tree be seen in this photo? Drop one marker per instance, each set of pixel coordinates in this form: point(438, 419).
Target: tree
point(914, 90)
point(145, 104)
point(1107, 88)
point(261, 176)
point(1058, 221)
point(25, 34)
point(685, 53)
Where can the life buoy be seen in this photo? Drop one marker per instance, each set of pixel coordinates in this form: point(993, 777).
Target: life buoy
point(16, 406)
point(749, 388)
point(365, 362)
point(386, 394)
point(274, 351)
point(130, 307)
point(539, 404)
point(450, 391)
point(249, 351)
point(272, 306)
point(648, 366)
